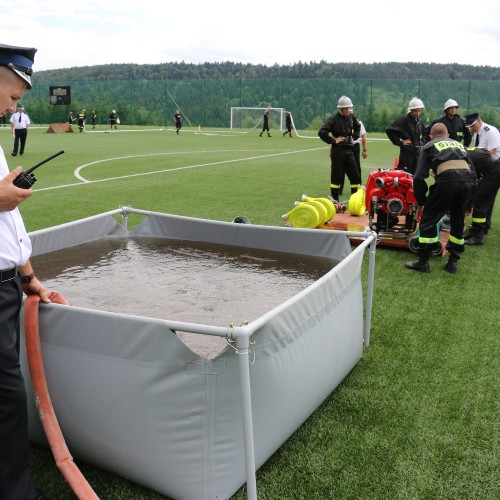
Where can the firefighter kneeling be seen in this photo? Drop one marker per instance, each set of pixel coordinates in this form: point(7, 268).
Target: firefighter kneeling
point(487, 168)
point(453, 192)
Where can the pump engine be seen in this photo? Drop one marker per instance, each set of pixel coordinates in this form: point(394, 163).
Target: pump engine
point(392, 207)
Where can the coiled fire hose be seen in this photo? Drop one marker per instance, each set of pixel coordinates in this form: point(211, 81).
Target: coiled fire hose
point(62, 456)
point(310, 212)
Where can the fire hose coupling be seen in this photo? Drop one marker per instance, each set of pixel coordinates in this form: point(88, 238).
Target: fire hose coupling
point(395, 206)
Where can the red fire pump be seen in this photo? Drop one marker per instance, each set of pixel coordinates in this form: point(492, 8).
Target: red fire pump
point(393, 210)
point(392, 207)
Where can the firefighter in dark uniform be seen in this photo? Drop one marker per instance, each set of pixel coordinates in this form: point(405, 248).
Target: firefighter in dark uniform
point(93, 118)
point(288, 125)
point(340, 131)
point(487, 168)
point(453, 191)
point(407, 132)
point(455, 124)
point(265, 126)
point(178, 121)
point(81, 120)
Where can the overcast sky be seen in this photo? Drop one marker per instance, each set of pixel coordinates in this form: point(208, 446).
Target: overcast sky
point(89, 32)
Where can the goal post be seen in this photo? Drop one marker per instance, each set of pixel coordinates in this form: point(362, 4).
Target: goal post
point(250, 118)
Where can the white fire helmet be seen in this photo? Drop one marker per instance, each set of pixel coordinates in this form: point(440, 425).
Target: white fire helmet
point(416, 103)
point(344, 102)
point(450, 103)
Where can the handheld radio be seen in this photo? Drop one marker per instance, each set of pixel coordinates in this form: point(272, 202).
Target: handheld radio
point(26, 179)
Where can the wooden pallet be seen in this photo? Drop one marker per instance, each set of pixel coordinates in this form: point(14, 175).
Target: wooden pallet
point(343, 221)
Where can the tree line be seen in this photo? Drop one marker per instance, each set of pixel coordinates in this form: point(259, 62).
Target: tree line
point(205, 93)
point(225, 70)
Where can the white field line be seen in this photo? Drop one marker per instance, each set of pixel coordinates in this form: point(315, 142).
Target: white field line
point(84, 181)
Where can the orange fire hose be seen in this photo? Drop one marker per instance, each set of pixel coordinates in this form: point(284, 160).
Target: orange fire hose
point(62, 456)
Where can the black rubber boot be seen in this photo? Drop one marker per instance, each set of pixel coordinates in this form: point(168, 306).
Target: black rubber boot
point(474, 241)
point(421, 265)
point(452, 265)
point(475, 236)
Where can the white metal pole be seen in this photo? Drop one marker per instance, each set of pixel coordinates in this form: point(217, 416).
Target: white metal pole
point(242, 350)
point(369, 292)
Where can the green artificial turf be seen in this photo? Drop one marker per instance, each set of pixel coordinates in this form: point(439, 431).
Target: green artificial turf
point(417, 418)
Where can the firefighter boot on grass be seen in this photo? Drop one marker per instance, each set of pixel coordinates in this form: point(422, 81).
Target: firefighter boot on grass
point(422, 265)
point(452, 265)
point(475, 236)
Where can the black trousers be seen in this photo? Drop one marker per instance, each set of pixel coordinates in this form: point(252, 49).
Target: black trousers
point(356, 149)
point(408, 160)
point(343, 163)
point(484, 199)
point(15, 461)
point(453, 196)
point(20, 135)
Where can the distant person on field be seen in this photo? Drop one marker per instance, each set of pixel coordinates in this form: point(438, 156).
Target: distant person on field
point(407, 132)
point(288, 124)
point(93, 118)
point(81, 120)
point(453, 191)
point(112, 119)
point(19, 123)
point(454, 123)
point(265, 126)
point(178, 121)
point(70, 118)
point(340, 131)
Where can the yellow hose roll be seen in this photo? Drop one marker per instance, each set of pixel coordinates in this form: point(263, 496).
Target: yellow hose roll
point(328, 204)
point(330, 208)
point(356, 205)
point(323, 214)
point(304, 215)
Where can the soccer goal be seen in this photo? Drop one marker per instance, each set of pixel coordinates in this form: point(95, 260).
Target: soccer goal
point(251, 118)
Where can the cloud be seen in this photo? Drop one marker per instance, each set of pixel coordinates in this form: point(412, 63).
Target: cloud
point(93, 32)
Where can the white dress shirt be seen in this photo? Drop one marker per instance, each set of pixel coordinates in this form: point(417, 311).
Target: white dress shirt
point(489, 138)
point(25, 121)
point(15, 245)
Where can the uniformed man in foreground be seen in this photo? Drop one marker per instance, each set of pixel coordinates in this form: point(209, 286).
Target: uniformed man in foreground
point(453, 191)
point(16, 277)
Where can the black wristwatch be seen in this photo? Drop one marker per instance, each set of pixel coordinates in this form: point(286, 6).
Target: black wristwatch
point(27, 278)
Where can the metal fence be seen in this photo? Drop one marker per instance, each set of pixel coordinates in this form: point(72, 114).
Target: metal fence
point(207, 103)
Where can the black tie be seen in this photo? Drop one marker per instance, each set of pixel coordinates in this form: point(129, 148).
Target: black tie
point(21, 116)
point(477, 140)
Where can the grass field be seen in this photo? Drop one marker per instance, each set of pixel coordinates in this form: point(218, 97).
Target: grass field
point(418, 416)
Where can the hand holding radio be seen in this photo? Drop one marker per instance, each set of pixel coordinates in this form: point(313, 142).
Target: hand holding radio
point(26, 179)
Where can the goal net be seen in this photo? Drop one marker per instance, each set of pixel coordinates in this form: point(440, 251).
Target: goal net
point(252, 118)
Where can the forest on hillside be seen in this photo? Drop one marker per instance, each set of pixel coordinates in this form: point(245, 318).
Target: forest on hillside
point(226, 70)
point(206, 93)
